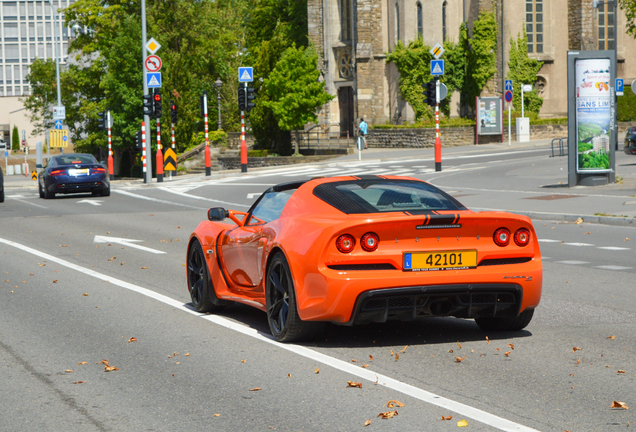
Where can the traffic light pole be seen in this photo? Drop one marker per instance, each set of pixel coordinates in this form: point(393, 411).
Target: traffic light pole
point(159, 153)
point(148, 176)
point(110, 148)
point(243, 145)
point(438, 143)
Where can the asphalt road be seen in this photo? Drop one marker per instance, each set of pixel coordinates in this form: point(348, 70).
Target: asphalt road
point(69, 297)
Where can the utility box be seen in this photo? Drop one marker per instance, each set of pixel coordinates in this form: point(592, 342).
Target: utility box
point(523, 129)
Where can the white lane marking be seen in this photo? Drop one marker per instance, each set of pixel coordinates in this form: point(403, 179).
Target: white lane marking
point(25, 202)
point(545, 257)
point(549, 241)
point(383, 380)
point(254, 195)
point(614, 248)
point(130, 194)
point(91, 202)
point(126, 242)
point(578, 244)
point(200, 198)
point(573, 262)
point(401, 172)
point(612, 267)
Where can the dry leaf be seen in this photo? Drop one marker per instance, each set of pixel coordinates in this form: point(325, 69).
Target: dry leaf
point(217, 415)
point(365, 366)
point(450, 351)
point(391, 353)
point(403, 349)
point(388, 414)
point(187, 354)
point(243, 361)
point(611, 337)
point(620, 405)
point(288, 375)
point(85, 295)
point(132, 339)
point(487, 340)
point(256, 389)
point(394, 403)
point(497, 349)
point(367, 423)
point(110, 368)
point(579, 221)
point(79, 382)
point(578, 361)
point(397, 356)
point(143, 268)
point(354, 361)
point(459, 345)
point(472, 350)
point(459, 359)
point(620, 371)
point(81, 363)
point(462, 423)
point(511, 346)
point(507, 353)
point(316, 370)
point(587, 232)
point(371, 357)
point(54, 280)
point(177, 362)
point(354, 384)
point(68, 371)
point(571, 374)
point(575, 349)
point(447, 418)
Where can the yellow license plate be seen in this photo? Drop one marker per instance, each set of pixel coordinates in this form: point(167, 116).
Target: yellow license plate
point(440, 260)
point(78, 171)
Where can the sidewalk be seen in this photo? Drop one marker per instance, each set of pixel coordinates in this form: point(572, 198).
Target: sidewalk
point(539, 190)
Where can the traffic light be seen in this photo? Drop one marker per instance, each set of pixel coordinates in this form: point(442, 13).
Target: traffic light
point(139, 141)
point(148, 105)
point(242, 100)
point(158, 111)
point(430, 93)
point(173, 112)
point(102, 122)
point(251, 95)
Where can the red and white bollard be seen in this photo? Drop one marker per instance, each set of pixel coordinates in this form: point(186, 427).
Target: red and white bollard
point(243, 145)
point(438, 143)
point(159, 154)
point(110, 148)
point(143, 149)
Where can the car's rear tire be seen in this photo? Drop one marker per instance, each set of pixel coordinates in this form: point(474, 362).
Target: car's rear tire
point(106, 192)
point(96, 192)
point(2, 196)
point(199, 283)
point(506, 324)
point(48, 194)
point(282, 310)
point(40, 190)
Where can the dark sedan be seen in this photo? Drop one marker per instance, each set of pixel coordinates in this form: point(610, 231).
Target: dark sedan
point(1, 186)
point(630, 141)
point(73, 173)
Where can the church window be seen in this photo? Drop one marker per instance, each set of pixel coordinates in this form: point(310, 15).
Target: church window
point(534, 25)
point(420, 28)
point(345, 20)
point(606, 17)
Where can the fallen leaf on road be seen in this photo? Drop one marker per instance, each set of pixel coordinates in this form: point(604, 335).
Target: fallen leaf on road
point(487, 340)
point(243, 361)
point(54, 280)
point(217, 415)
point(388, 414)
point(365, 366)
point(68, 371)
point(81, 363)
point(620, 405)
point(507, 353)
point(187, 354)
point(397, 356)
point(459, 359)
point(579, 221)
point(79, 382)
point(316, 370)
point(143, 268)
point(391, 353)
point(256, 389)
point(450, 351)
point(620, 371)
point(587, 232)
point(394, 403)
point(132, 339)
point(367, 423)
point(354, 360)
point(611, 337)
point(288, 375)
point(447, 418)
point(511, 346)
point(403, 349)
point(354, 384)
point(497, 349)
point(462, 423)
point(371, 357)
point(575, 349)
point(459, 345)
point(85, 295)
point(578, 361)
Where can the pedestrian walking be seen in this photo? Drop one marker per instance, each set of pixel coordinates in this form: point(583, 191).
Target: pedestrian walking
point(363, 127)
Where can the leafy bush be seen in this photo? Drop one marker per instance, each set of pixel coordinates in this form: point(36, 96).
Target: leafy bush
point(626, 107)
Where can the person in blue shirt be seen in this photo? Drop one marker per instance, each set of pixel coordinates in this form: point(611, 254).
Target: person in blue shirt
point(363, 126)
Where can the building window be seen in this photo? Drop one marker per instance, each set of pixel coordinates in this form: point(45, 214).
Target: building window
point(10, 10)
point(420, 28)
point(345, 20)
point(534, 25)
point(444, 21)
point(397, 23)
point(11, 31)
point(606, 36)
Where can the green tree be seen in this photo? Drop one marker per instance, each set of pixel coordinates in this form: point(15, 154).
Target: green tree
point(15, 139)
point(293, 91)
point(523, 70)
point(482, 58)
point(629, 7)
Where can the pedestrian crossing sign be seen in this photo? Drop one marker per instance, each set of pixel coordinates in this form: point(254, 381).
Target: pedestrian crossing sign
point(246, 74)
point(437, 67)
point(153, 80)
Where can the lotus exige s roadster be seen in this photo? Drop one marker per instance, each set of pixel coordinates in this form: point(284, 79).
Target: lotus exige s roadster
point(355, 250)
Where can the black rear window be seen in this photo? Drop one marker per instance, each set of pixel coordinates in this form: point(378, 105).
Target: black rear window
point(380, 196)
point(74, 159)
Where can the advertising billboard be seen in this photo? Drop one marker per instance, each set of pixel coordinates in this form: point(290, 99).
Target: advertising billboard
point(489, 116)
point(593, 115)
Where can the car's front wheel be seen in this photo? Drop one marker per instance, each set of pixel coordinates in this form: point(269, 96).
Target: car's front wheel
point(199, 282)
point(282, 309)
point(506, 324)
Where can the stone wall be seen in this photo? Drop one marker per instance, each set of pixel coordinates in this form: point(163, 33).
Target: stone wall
point(581, 25)
point(234, 140)
point(226, 163)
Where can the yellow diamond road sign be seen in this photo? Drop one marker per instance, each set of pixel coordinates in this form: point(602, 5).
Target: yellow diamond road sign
point(152, 45)
point(437, 51)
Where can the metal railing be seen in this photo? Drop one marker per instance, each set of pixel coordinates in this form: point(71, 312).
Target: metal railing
point(562, 147)
point(320, 139)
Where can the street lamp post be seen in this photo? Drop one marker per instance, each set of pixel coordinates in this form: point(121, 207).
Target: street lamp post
point(57, 56)
point(218, 84)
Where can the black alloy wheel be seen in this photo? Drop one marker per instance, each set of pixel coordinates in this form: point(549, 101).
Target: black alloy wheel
point(199, 283)
point(282, 312)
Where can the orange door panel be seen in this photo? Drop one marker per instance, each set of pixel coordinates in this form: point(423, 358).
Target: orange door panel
point(241, 255)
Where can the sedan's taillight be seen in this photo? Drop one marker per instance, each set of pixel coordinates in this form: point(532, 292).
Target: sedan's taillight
point(370, 241)
point(58, 172)
point(345, 243)
point(98, 170)
point(502, 237)
point(522, 237)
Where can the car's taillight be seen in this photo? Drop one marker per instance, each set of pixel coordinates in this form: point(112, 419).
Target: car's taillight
point(370, 241)
point(522, 237)
point(502, 237)
point(99, 170)
point(345, 243)
point(58, 172)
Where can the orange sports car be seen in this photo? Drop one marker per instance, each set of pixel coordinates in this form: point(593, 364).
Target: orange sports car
point(355, 250)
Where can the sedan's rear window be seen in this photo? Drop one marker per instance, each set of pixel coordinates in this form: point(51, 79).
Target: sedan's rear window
point(75, 159)
point(379, 196)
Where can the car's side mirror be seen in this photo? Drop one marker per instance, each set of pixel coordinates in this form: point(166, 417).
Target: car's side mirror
point(217, 214)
